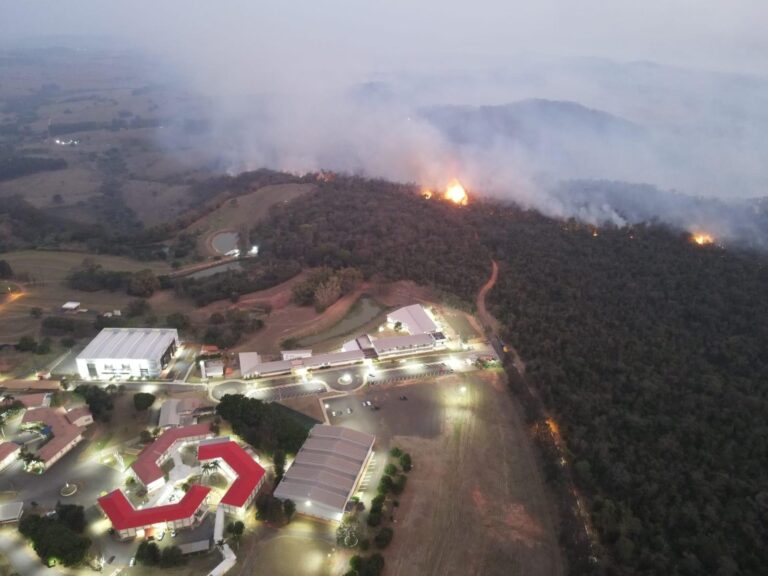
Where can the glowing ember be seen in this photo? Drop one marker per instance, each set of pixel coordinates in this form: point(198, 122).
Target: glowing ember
point(456, 193)
point(427, 194)
point(703, 239)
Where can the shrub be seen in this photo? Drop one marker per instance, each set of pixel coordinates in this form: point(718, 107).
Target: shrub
point(383, 538)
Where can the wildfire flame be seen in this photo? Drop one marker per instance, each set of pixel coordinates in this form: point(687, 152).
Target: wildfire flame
point(455, 193)
point(703, 239)
point(427, 194)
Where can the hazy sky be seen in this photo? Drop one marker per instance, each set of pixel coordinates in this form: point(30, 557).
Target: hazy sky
point(385, 34)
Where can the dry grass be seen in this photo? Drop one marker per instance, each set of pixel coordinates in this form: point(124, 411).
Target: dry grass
point(244, 210)
point(475, 503)
point(46, 290)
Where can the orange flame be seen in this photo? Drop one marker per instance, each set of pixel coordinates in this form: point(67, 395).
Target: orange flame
point(703, 239)
point(455, 193)
point(427, 194)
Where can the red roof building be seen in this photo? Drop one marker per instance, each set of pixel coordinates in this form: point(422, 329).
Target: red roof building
point(65, 434)
point(147, 465)
point(127, 520)
point(249, 474)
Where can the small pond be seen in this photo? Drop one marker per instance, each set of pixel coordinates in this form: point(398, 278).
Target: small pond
point(224, 242)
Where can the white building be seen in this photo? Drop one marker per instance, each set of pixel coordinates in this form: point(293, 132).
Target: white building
point(251, 365)
point(128, 352)
point(414, 319)
point(326, 471)
point(403, 345)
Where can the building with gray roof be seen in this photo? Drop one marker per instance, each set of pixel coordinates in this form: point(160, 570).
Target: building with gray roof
point(326, 471)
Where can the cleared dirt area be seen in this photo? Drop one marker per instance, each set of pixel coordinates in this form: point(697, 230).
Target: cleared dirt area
point(475, 502)
point(244, 210)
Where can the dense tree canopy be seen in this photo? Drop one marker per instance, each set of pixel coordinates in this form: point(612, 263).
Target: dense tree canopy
point(264, 426)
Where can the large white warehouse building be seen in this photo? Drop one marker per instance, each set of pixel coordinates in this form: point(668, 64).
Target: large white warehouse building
point(128, 352)
point(326, 471)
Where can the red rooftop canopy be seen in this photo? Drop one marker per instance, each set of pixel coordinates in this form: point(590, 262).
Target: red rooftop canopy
point(124, 516)
point(249, 472)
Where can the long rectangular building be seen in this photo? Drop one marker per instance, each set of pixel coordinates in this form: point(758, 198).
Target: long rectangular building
point(251, 365)
point(128, 352)
point(326, 471)
point(401, 345)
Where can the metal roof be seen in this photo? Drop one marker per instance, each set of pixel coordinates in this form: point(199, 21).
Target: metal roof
point(249, 472)
point(11, 511)
point(327, 466)
point(124, 516)
point(402, 342)
point(414, 318)
point(130, 343)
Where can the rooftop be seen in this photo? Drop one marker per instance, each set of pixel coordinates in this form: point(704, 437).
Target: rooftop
point(414, 319)
point(129, 343)
point(402, 342)
point(145, 466)
point(124, 516)
point(63, 430)
point(8, 448)
point(327, 466)
point(249, 472)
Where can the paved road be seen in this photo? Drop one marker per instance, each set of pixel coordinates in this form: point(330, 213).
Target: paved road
point(348, 378)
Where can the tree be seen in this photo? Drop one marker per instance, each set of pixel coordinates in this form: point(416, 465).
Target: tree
point(236, 529)
point(383, 538)
point(278, 460)
point(72, 515)
point(390, 469)
point(27, 344)
point(53, 539)
point(177, 320)
point(44, 347)
point(143, 284)
point(136, 308)
point(148, 553)
point(6, 271)
point(385, 484)
point(327, 293)
point(143, 401)
point(210, 467)
point(405, 462)
point(99, 401)
point(395, 452)
point(171, 556)
point(289, 509)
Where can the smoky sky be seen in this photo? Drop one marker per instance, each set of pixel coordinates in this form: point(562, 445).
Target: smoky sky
point(353, 85)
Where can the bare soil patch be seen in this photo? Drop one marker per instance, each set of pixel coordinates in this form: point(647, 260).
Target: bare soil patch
point(475, 503)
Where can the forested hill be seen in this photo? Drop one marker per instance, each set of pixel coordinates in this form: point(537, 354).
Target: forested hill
point(650, 351)
point(653, 354)
point(381, 228)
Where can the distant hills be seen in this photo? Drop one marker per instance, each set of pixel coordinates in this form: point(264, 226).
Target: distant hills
point(535, 123)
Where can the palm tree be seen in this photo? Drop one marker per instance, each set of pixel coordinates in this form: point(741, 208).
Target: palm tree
point(210, 467)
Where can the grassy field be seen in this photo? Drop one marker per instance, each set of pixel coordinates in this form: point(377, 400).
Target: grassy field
point(46, 271)
point(244, 210)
